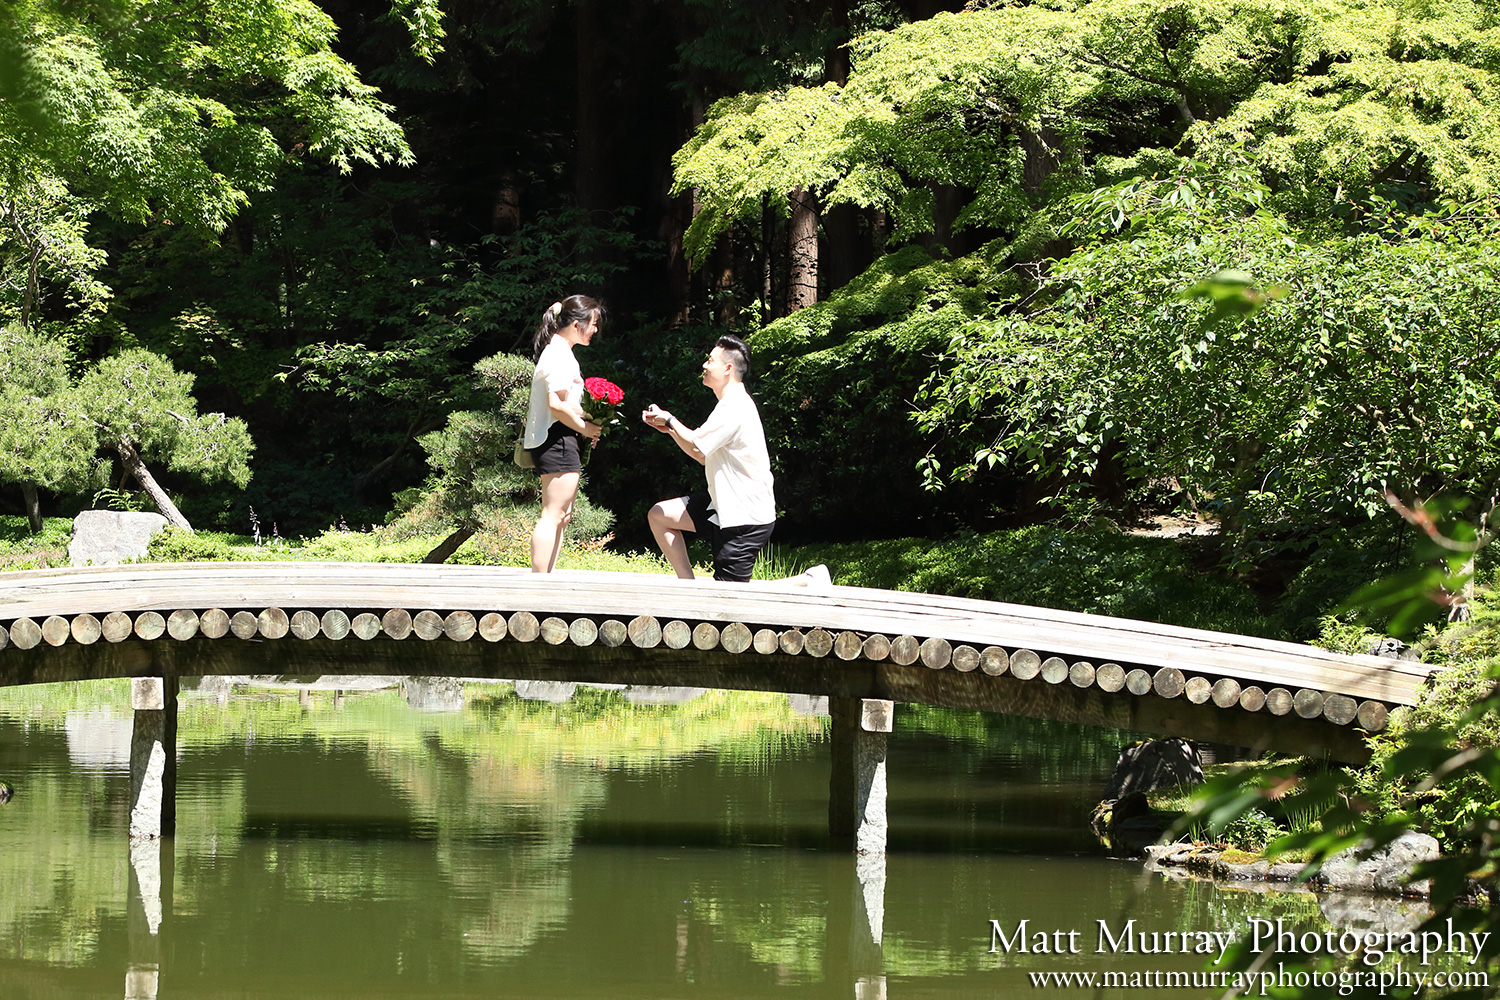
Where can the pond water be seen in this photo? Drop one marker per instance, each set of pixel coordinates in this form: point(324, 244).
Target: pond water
point(494, 846)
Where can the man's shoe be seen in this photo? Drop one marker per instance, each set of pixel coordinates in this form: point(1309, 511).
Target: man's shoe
point(818, 579)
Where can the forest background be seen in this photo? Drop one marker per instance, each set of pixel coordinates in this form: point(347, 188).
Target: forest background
point(998, 263)
point(1002, 265)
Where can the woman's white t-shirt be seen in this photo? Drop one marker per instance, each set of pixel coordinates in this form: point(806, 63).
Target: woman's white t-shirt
point(556, 371)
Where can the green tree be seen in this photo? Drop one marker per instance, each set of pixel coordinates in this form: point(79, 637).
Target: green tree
point(1018, 106)
point(476, 487)
point(150, 111)
point(1391, 337)
point(44, 442)
point(1081, 167)
point(141, 407)
point(158, 112)
point(43, 244)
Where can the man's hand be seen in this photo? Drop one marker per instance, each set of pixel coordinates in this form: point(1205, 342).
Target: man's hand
point(658, 418)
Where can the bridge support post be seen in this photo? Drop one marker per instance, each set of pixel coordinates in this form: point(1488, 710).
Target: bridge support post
point(150, 898)
point(852, 953)
point(153, 758)
point(857, 789)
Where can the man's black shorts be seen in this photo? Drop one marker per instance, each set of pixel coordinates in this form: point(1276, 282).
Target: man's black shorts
point(560, 452)
point(734, 548)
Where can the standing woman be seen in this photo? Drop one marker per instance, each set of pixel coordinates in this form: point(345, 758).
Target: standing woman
point(555, 423)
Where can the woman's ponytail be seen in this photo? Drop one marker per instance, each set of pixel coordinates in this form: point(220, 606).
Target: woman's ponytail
point(573, 309)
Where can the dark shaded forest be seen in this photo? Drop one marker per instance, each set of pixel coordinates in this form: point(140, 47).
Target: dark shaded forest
point(541, 141)
point(998, 263)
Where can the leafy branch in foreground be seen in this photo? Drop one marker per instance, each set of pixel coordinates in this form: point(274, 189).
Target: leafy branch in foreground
point(1436, 768)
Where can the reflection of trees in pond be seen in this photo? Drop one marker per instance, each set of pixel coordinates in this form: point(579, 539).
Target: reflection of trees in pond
point(505, 771)
point(526, 772)
point(476, 803)
point(63, 865)
point(746, 729)
point(1053, 751)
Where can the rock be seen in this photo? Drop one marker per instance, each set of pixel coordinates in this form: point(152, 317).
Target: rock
point(110, 537)
point(1131, 806)
point(1254, 870)
point(434, 694)
point(1386, 870)
point(1127, 824)
point(555, 692)
point(652, 694)
point(1363, 913)
point(1154, 764)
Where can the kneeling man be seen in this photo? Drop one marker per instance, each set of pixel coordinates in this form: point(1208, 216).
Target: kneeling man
point(738, 512)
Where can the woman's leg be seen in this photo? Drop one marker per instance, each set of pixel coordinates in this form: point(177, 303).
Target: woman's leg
point(558, 492)
point(669, 520)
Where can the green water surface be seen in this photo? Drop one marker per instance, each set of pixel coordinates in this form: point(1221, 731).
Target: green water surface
point(354, 846)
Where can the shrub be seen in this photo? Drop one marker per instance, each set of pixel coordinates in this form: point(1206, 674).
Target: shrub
point(1252, 830)
point(1471, 651)
point(175, 545)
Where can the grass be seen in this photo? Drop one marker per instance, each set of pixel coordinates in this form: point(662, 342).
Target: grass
point(1097, 569)
point(20, 549)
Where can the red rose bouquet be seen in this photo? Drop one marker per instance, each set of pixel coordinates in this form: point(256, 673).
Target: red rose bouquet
point(601, 404)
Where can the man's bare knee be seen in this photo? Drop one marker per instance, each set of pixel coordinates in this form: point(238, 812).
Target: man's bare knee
point(670, 515)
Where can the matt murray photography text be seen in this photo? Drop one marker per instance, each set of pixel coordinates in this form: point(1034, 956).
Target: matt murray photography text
point(1127, 939)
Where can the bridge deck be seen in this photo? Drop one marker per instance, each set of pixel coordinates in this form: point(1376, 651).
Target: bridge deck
point(965, 640)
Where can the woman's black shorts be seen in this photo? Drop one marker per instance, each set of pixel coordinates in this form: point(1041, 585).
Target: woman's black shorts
point(560, 452)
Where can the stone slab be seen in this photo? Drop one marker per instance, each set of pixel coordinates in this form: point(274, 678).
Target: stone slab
point(112, 537)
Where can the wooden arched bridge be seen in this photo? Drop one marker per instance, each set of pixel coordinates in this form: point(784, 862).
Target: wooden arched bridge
point(865, 649)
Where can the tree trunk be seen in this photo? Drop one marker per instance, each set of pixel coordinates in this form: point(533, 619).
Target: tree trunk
point(842, 257)
point(1041, 157)
point(448, 546)
point(802, 251)
point(591, 150)
point(137, 468)
point(505, 212)
point(767, 263)
point(33, 507)
point(721, 274)
point(836, 59)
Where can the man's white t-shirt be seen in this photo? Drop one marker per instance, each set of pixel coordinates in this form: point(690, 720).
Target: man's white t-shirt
point(736, 461)
point(556, 371)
